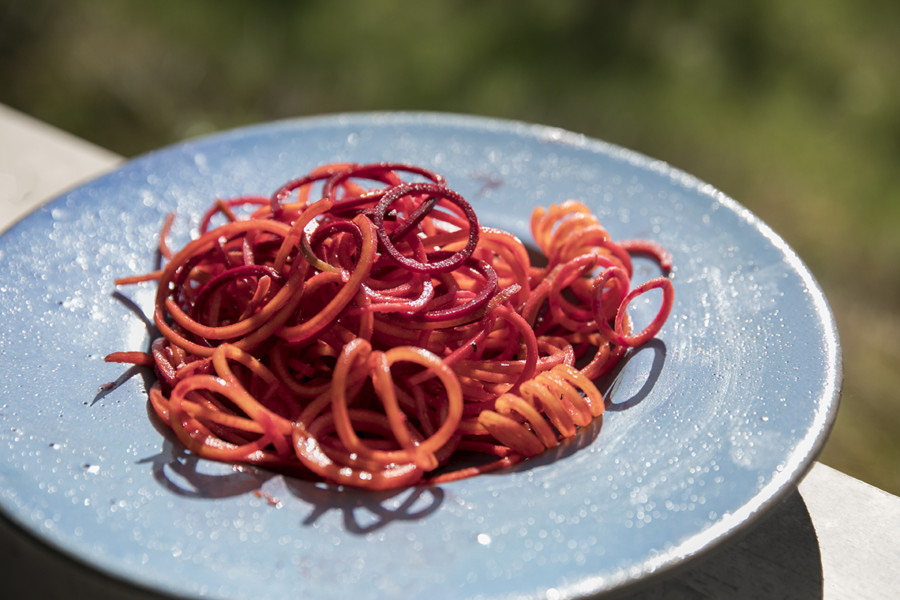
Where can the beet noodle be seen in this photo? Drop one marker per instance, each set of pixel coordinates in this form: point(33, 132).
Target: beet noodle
point(360, 327)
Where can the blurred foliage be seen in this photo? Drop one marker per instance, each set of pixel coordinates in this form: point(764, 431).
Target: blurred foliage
point(791, 107)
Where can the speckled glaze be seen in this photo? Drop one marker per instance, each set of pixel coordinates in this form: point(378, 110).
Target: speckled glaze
point(706, 427)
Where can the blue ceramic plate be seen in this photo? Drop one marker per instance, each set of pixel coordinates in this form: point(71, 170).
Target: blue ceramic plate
point(706, 427)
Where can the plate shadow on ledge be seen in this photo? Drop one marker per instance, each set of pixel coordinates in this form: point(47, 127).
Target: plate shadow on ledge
point(777, 559)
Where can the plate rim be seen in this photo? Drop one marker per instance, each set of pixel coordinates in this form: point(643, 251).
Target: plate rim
point(701, 543)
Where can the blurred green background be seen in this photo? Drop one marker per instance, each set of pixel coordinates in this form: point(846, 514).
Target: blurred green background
point(791, 107)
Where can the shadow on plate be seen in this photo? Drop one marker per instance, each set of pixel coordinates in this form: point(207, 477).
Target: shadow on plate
point(367, 511)
point(364, 511)
point(608, 385)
